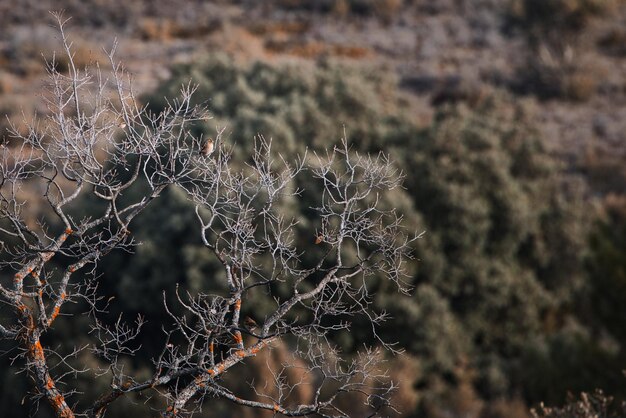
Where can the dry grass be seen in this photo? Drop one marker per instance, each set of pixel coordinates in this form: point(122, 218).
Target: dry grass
point(166, 29)
point(7, 83)
point(314, 49)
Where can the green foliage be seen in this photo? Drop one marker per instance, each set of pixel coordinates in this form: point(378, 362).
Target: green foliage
point(427, 326)
point(504, 241)
point(296, 105)
point(607, 266)
point(568, 361)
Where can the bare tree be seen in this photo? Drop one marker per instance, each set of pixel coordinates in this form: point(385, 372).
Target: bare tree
point(99, 145)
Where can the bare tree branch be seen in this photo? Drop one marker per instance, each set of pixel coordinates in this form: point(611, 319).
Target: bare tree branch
point(101, 145)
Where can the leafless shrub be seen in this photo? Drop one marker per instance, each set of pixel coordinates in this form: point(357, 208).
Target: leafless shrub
point(590, 405)
point(100, 146)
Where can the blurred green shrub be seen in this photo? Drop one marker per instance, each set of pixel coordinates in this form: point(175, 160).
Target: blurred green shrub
point(504, 244)
point(500, 268)
point(607, 267)
point(297, 105)
point(541, 18)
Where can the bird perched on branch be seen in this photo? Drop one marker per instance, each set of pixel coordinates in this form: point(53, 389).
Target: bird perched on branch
point(250, 323)
point(208, 147)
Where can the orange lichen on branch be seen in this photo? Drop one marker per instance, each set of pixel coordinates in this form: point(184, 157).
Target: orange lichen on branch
point(18, 277)
point(277, 407)
point(71, 269)
point(171, 409)
point(58, 402)
point(238, 304)
point(55, 313)
point(64, 411)
point(238, 338)
point(63, 295)
point(68, 231)
point(241, 353)
point(257, 347)
point(210, 372)
point(211, 348)
point(37, 350)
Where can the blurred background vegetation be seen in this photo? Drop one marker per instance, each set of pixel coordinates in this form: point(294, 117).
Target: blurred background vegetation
point(508, 119)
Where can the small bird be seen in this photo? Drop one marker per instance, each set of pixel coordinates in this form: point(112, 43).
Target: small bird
point(208, 147)
point(250, 323)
